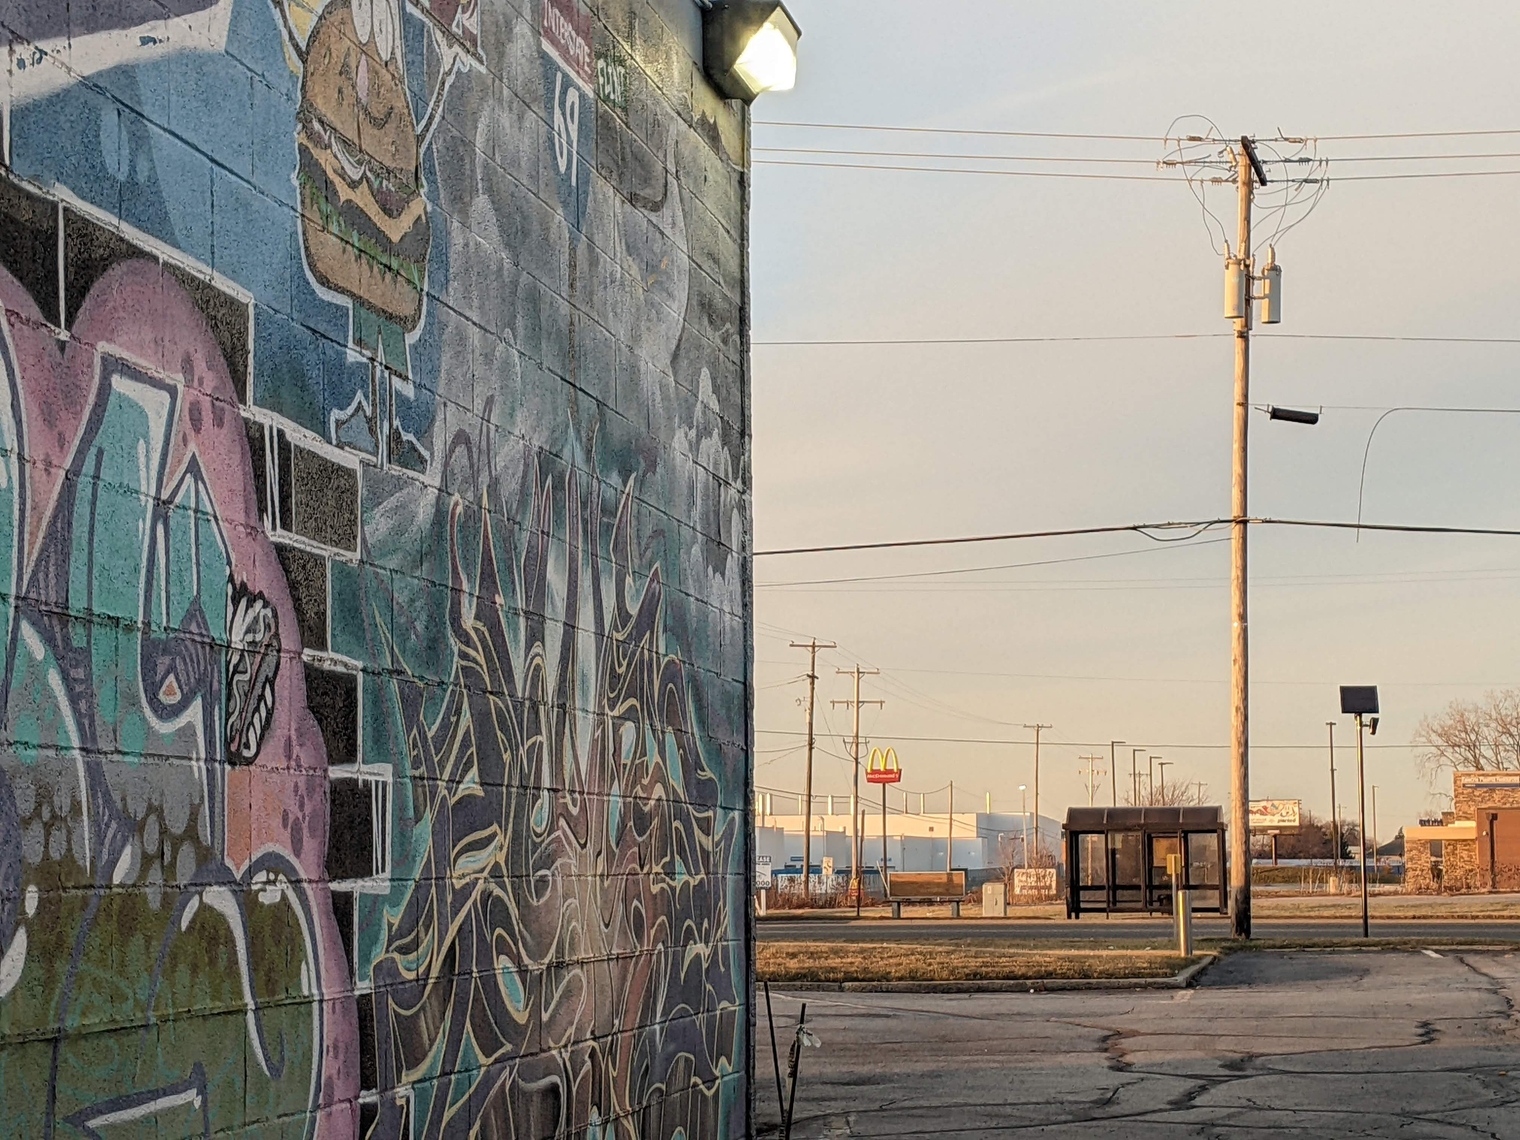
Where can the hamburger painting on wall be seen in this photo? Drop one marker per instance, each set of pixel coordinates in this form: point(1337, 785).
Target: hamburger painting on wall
point(364, 226)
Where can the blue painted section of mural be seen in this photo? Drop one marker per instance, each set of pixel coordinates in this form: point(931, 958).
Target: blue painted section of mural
point(373, 487)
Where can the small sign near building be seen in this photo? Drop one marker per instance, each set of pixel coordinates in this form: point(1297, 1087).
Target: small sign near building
point(762, 872)
point(1034, 881)
point(1280, 815)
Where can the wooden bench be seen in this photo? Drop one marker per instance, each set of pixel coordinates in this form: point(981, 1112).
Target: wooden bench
point(926, 887)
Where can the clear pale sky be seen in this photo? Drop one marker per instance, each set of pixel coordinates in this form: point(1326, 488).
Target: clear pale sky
point(874, 443)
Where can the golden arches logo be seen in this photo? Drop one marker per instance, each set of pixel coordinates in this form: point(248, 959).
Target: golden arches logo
point(883, 767)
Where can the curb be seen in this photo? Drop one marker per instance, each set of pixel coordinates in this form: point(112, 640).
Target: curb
point(1179, 981)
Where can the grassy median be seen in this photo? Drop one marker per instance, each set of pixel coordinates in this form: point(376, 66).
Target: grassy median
point(966, 961)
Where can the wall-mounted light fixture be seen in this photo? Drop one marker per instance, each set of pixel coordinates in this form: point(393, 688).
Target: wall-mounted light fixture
point(749, 47)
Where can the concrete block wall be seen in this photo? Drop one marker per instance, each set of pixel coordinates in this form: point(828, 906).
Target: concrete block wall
point(374, 482)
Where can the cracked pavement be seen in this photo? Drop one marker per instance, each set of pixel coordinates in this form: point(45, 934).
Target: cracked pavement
point(1329, 1044)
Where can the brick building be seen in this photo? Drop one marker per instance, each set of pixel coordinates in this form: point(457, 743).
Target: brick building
point(1476, 845)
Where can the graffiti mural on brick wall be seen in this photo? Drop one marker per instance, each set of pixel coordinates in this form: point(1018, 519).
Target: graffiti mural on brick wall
point(373, 759)
point(162, 804)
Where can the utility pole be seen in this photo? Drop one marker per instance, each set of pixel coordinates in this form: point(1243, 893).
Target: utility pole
point(1113, 769)
point(1037, 728)
point(1091, 777)
point(812, 646)
point(1335, 815)
point(857, 673)
point(950, 831)
point(1134, 775)
point(1247, 169)
point(1150, 779)
point(1374, 830)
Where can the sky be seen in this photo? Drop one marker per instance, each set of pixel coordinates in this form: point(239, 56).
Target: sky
point(1122, 637)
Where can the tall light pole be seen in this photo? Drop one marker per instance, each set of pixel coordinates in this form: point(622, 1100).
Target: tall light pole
point(1359, 701)
point(1037, 728)
point(812, 646)
point(1150, 779)
point(1134, 774)
point(1374, 830)
point(1113, 769)
point(1162, 764)
point(1024, 816)
point(1335, 817)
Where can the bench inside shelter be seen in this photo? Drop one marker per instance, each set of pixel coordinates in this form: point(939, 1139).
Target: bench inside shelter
point(926, 887)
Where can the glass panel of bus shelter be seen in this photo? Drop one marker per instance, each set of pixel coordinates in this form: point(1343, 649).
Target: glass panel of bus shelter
point(1090, 857)
point(1161, 882)
point(1203, 859)
point(1127, 867)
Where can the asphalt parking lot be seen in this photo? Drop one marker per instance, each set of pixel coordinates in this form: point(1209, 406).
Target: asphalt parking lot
point(1323, 1044)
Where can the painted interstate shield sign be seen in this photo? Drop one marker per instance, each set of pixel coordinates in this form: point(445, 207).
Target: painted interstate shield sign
point(570, 102)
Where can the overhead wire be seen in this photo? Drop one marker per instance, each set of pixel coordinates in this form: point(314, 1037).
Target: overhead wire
point(1260, 334)
point(1198, 526)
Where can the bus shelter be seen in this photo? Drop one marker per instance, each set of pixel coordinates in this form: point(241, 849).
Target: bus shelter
point(1116, 858)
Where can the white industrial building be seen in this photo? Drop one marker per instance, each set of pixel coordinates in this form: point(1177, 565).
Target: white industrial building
point(915, 841)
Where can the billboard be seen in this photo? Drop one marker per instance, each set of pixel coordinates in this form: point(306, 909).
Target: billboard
point(1274, 814)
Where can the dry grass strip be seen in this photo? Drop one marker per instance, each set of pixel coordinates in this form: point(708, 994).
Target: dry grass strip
point(951, 962)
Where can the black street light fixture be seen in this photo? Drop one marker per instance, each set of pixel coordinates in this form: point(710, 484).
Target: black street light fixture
point(749, 47)
point(1361, 701)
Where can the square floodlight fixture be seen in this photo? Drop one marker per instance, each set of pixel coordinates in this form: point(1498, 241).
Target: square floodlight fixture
point(1359, 700)
point(749, 47)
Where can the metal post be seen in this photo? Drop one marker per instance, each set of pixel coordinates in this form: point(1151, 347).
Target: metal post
point(1246, 165)
point(950, 834)
point(1134, 775)
point(1024, 818)
point(1374, 831)
point(1113, 769)
point(1361, 817)
point(1335, 819)
point(1037, 728)
point(884, 838)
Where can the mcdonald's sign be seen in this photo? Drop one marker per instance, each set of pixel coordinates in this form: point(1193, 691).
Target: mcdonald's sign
point(883, 767)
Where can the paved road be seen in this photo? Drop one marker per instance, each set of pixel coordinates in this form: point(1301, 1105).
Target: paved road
point(1101, 931)
point(1343, 1044)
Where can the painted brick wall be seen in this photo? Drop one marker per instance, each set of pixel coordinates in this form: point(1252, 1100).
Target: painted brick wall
point(374, 472)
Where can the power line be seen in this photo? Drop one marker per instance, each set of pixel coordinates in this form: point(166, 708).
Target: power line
point(1083, 159)
point(966, 170)
point(1112, 177)
point(1317, 746)
point(995, 339)
point(984, 569)
point(961, 131)
point(1107, 160)
point(1142, 528)
point(1122, 138)
point(900, 341)
point(1136, 528)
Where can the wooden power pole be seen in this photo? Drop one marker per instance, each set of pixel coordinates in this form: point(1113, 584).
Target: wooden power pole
point(857, 673)
point(1248, 170)
point(812, 646)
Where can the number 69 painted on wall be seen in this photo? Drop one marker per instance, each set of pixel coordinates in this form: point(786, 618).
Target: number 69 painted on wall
point(567, 124)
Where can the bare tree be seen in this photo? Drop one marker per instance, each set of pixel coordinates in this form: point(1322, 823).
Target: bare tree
point(1195, 794)
point(1482, 735)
